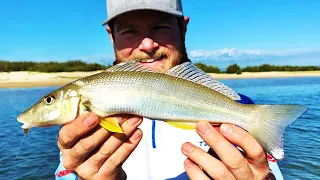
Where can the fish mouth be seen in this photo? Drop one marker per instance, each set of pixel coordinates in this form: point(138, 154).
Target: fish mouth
point(28, 125)
point(25, 125)
point(19, 119)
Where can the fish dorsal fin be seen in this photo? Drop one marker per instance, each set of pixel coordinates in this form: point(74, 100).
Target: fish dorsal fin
point(133, 65)
point(187, 71)
point(190, 72)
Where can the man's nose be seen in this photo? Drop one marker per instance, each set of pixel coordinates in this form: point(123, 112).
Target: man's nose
point(148, 45)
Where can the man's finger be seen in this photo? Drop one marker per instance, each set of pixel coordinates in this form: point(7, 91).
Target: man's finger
point(194, 171)
point(226, 151)
point(80, 151)
point(122, 153)
point(69, 133)
point(253, 150)
point(87, 144)
point(113, 143)
point(215, 168)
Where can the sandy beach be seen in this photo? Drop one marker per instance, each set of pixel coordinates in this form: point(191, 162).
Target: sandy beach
point(36, 79)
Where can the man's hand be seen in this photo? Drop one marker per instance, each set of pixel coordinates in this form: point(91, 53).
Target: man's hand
point(232, 164)
point(92, 152)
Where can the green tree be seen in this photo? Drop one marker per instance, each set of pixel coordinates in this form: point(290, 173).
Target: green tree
point(69, 66)
point(207, 69)
point(233, 68)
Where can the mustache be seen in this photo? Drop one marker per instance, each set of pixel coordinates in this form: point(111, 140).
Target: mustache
point(144, 56)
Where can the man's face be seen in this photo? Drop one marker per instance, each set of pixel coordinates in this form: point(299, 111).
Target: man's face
point(149, 35)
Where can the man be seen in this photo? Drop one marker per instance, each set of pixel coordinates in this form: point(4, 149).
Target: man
point(155, 29)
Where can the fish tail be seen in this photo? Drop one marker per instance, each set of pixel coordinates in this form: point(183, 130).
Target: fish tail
point(268, 125)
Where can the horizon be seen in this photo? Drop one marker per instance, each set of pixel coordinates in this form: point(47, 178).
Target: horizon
point(246, 33)
point(222, 69)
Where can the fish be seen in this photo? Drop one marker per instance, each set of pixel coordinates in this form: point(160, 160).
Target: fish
point(180, 97)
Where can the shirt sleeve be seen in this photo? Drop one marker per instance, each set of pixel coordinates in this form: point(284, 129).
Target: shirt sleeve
point(64, 174)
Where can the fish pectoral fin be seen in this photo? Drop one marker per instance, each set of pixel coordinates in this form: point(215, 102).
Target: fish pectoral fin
point(111, 124)
point(182, 125)
point(95, 110)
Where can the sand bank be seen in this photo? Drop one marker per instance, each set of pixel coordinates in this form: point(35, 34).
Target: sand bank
point(35, 79)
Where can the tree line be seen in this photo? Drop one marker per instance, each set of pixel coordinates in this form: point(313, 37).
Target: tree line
point(78, 65)
point(234, 68)
point(69, 66)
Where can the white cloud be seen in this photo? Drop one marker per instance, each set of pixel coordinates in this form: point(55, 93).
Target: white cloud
point(220, 57)
point(225, 55)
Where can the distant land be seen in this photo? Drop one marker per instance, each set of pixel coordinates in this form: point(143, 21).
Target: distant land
point(79, 65)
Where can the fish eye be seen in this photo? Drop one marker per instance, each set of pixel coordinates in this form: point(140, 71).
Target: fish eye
point(49, 100)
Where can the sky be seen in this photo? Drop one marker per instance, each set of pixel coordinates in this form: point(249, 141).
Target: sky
point(220, 32)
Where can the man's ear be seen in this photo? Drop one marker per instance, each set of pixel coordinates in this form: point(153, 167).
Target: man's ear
point(186, 20)
point(110, 34)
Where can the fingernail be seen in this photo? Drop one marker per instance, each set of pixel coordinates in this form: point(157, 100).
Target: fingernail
point(188, 147)
point(133, 121)
point(203, 127)
point(226, 129)
point(89, 120)
point(135, 135)
point(188, 163)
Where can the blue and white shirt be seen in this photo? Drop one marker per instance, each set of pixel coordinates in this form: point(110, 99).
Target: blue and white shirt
point(159, 156)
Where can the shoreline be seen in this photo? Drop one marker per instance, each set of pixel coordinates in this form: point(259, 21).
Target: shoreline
point(23, 79)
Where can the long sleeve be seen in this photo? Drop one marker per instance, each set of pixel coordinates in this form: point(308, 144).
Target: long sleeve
point(63, 174)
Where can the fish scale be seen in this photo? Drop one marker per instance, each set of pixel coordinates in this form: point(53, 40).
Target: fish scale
point(167, 97)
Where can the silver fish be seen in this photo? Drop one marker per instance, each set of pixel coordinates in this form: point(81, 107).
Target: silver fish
point(181, 97)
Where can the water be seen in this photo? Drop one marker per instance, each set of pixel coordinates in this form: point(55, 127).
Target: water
point(38, 157)
point(301, 138)
point(39, 154)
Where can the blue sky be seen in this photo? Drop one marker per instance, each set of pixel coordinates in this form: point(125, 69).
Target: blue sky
point(219, 33)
